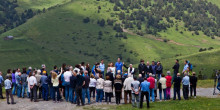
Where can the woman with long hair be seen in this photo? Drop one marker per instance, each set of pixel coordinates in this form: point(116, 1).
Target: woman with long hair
point(55, 82)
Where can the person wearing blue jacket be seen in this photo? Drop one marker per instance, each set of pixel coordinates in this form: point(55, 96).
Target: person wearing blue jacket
point(145, 88)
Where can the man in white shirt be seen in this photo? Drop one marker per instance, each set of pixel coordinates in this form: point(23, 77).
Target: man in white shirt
point(33, 87)
point(127, 88)
point(68, 91)
point(131, 70)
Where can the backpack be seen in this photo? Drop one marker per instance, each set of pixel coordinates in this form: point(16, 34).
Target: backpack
point(190, 66)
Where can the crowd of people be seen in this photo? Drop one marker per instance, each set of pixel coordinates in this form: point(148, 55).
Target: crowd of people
point(100, 83)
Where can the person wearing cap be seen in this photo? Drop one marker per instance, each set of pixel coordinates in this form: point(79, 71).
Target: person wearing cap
point(8, 85)
point(168, 84)
point(29, 70)
point(1, 82)
point(193, 83)
point(145, 88)
point(177, 83)
point(135, 92)
point(43, 66)
point(163, 81)
point(127, 88)
point(44, 85)
point(186, 83)
point(152, 86)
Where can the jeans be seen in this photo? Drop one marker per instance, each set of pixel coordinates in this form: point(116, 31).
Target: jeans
point(14, 88)
point(24, 87)
point(85, 93)
point(135, 97)
point(19, 87)
point(186, 91)
point(176, 90)
point(143, 93)
point(45, 91)
point(164, 93)
point(168, 93)
point(56, 91)
point(118, 97)
point(218, 86)
point(103, 76)
point(68, 93)
point(151, 94)
point(99, 95)
point(51, 91)
point(108, 97)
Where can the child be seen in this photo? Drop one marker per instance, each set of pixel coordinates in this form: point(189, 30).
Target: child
point(8, 84)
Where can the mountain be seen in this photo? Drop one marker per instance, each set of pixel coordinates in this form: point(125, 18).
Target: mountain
point(91, 30)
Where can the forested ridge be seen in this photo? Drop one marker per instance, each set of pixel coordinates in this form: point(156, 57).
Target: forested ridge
point(152, 16)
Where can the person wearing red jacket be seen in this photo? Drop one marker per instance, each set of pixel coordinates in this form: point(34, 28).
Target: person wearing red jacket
point(168, 84)
point(152, 86)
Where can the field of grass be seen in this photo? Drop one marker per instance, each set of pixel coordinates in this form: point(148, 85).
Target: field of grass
point(59, 36)
point(217, 2)
point(193, 104)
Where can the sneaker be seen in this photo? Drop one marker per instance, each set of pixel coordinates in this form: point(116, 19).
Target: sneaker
point(8, 103)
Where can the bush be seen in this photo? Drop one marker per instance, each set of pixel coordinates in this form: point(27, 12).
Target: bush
point(210, 48)
point(86, 20)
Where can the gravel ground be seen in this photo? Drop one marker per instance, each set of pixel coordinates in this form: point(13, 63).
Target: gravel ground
point(25, 104)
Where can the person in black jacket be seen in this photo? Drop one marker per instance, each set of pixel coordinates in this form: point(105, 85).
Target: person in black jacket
point(159, 70)
point(176, 69)
point(193, 82)
point(177, 82)
point(142, 68)
point(73, 81)
point(148, 69)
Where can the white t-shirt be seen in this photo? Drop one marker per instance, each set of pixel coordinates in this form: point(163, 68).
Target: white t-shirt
point(67, 76)
point(32, 81)
point(92, 82)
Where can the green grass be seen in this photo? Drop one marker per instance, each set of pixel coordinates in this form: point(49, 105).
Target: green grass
point(59, 36)
point(217, 2)
point(199, 103)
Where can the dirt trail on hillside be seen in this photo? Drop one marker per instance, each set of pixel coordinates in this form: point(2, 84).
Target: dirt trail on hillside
point(25, 104)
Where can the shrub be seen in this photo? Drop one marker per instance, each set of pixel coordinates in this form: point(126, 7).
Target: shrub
point(86, 20)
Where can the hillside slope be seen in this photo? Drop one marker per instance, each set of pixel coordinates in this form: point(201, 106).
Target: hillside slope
point(63, 34)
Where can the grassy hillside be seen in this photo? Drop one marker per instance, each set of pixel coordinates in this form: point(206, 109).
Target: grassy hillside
point(59, 35)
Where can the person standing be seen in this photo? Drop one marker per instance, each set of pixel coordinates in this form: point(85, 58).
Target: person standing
point(112, 68)
point(140, 78)
point(44, 85)
point(218, 84)
point(142, 68)
point(163, 81)
point(1, 82)
point(185, 82)
point(73, 81)
point(19, 87)
point(119, 66)
point(159, 70)
point(67, 76)
point(135, 92)
point(38, 86)
point(85, 89)
point(168, 84)
point(55, 82)
point(131, 70)
point(88, 69)
point(145, 88)
point(8, 85)
point(152, 86)
point(175, 69)
point(13, 82)
point(24, 82)
point(92, 86)
point(127, 88)
point(108, 89)
point(79, 83)
point(102, 68)
point(185, 67)
point(153, 66)
point(118, 88)
point(177, 83)
point(99, 88)
point(148, 69)
point(193, 83)
point(33, 88)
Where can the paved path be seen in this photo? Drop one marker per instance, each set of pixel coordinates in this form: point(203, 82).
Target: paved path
point(25, 104)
